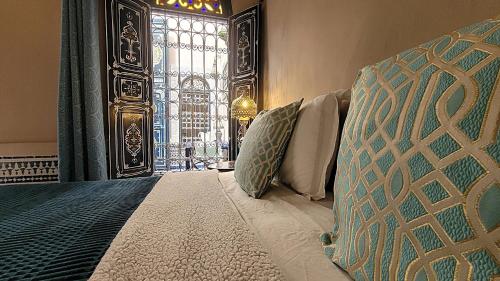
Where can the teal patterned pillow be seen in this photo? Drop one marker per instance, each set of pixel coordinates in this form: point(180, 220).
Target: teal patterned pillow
point(262, 149)
point(417, 192)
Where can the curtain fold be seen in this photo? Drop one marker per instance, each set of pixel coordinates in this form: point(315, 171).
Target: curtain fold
point(81, 138)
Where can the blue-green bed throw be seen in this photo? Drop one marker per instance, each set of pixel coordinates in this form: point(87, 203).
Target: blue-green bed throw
point(61, 231)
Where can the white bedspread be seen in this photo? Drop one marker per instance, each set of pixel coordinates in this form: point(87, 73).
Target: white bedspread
point(202, 226)
point(289, 226)
point(186, 229)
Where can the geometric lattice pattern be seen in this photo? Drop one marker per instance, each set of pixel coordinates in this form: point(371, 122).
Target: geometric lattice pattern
point(61, 231)
point(263, 147)
point(417, 192)
point(28, 169)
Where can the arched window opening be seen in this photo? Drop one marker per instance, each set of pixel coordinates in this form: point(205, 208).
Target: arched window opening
point(195, 109)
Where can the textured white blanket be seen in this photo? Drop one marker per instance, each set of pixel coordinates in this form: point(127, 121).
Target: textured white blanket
point(186, 229)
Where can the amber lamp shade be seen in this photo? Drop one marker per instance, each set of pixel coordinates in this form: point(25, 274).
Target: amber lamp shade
point(243, 109)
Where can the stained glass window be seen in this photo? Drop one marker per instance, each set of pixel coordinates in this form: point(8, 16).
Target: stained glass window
point(209, 7)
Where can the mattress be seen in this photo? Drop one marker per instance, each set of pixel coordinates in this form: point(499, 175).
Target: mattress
point(288, 225)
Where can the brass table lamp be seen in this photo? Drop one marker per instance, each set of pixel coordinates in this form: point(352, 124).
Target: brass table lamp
point(243, 109)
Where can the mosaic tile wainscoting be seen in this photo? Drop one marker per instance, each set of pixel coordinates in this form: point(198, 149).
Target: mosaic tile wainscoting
point(28, 169)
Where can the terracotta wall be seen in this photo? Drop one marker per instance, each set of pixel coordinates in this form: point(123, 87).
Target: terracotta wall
point(29, 70)
point(313, 47)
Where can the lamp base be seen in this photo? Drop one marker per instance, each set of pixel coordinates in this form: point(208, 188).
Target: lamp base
point(242, 131)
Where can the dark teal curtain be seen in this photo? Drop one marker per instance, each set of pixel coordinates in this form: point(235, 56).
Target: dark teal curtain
point(82, 146)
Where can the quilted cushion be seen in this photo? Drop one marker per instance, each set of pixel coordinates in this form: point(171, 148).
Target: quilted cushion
point(263, 147)
point(417, 188)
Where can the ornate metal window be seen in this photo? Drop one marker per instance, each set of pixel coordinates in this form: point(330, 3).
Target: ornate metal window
point(190, 89)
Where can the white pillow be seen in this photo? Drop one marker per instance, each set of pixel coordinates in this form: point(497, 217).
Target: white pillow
point(306, 165)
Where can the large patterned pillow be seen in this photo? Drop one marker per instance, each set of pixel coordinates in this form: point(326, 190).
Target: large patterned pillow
point(263, 147)
point(417, 194)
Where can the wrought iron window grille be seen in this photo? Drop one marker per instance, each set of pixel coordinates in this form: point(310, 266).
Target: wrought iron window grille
point(190, 90)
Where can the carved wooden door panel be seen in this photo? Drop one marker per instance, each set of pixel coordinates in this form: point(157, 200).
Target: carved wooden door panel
point(130, 114)
point(244, 67)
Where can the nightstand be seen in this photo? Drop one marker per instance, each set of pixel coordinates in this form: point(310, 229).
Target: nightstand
point(224, 166)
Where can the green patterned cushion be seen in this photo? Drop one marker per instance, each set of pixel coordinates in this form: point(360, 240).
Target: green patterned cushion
point(263, 147)
point(418, 180)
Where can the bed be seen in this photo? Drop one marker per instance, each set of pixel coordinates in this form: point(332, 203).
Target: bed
point(184, 226)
